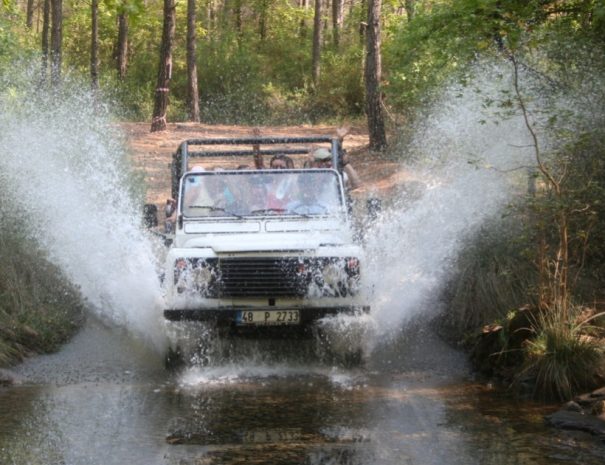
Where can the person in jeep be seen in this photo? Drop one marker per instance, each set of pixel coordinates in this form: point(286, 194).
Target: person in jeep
point(309, 200)
point(322, 158)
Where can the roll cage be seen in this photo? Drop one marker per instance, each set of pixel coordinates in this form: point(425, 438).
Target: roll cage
point(288, 146)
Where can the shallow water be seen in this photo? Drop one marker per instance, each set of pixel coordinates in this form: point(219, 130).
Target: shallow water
point(107, 399)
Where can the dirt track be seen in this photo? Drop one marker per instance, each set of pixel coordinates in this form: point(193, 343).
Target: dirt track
point(152, 152)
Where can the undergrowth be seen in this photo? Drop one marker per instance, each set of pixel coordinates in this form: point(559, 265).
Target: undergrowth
point(39, 310)
point(493, 310)
point(563, 358)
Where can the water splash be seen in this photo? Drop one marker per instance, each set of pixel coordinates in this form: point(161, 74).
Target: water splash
point(65, 171)
point(467, 162)
point(254, 373)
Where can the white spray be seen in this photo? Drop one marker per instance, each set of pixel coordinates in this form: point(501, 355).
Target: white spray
point(468, 161)
point(65, 171)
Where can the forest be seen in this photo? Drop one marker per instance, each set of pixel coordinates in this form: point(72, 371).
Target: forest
point(383, 63)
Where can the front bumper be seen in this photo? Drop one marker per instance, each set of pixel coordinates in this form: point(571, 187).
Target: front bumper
point(228, 316)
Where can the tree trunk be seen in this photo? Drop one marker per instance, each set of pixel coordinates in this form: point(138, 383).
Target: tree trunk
point(337, 18)
point(238, 21)
point(208, 15)
point(562, 265)
point(410, 6)
point(29, 22)
point(44, 45)
point(304, 4)
point(362, 23)
point(56, 35)
point(122, 46)
point(193, 104)
point(374, 110)
point(94, 45)
point(316, 59)
point(160, 106)
point(262, 19)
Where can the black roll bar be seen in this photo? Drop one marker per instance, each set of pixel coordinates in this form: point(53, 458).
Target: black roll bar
point(181, 157)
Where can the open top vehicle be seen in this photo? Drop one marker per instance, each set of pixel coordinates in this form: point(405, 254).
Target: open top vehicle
point(260, 250)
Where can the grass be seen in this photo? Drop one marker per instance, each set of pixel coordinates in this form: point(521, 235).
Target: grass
point(562, 359)
point(541, 351)
point(39, 309)
point(493, 277)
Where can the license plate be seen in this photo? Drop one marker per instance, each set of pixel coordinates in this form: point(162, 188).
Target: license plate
point(268, 317)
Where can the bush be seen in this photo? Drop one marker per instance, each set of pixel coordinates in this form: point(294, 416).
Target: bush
point(562, 359)
point(494, 275)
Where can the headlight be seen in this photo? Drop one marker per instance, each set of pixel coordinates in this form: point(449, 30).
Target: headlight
point(339, 277)
point(194, 275)
point(332, 274)
point(201, 276)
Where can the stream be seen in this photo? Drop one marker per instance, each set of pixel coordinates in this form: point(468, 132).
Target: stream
point(107, 399)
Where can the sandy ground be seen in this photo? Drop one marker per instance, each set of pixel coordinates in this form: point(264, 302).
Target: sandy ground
point(152, 153)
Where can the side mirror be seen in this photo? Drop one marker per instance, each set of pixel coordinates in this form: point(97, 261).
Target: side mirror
point(170, 207)
point(374, 206)
point(150, 215)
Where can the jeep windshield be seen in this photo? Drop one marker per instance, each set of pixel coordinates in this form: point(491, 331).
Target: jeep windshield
point(248, 193)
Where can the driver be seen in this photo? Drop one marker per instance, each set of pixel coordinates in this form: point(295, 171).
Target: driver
point(308, 201)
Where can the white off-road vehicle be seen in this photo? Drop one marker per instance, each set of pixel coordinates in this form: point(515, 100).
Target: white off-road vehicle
point(261, 250)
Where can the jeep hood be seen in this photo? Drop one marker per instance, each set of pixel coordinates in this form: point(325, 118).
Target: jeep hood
point(223, 243)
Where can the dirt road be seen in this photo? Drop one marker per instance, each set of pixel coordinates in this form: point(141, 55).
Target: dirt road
point(152, 152)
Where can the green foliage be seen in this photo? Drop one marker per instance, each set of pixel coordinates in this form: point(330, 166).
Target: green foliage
point(446, 37)
point(232, 90)
point(561, 360)
point(243, 78)
point(272, 73)
point(133, 8)
point(14, 42)
point(436, 45)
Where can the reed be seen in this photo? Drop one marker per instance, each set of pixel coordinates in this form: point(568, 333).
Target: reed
point(494, 276)
point(563, 359)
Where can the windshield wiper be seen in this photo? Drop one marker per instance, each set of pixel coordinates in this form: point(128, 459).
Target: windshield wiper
point(217, 209)
point(278, 210)
point(260, 211)
point(304, 215)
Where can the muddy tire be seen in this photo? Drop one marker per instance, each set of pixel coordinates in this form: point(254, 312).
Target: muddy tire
point(334, 352)
point(173, 360)
point(353, 359)
point(190, 344)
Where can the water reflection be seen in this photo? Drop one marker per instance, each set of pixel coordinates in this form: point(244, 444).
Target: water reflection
point(416, 409)
point(299, 419)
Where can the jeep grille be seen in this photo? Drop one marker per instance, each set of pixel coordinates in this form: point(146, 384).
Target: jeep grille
point(261, 277)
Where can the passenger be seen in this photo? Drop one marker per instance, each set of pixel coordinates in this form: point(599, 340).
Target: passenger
point(195, 193)
point(278, 162)
point(322, 158)
point(278, 189)
point(353, 178)
point(220, 193)
point(281, 162)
